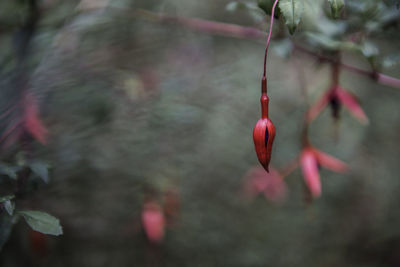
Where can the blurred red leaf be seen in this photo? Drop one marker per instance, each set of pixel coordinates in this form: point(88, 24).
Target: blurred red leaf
point(32, 122)
point(309, 165)
point(271, 184)
point(352, 104)
point(153, 221)
point(310, 159)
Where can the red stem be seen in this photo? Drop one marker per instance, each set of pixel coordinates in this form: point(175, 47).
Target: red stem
point(269, 37)
point(264, 98)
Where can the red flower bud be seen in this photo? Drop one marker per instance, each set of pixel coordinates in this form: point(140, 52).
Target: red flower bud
point(264, 131)
point(263, 136)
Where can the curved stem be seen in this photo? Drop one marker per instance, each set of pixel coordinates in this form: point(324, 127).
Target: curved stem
point(269, 37)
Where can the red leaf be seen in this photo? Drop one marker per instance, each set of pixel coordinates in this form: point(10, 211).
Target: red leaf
point(255, 182)
point(316, 109)
point(270, 184)
point(351, 102)
point(330, 162)
point(309, 166)
point(276, 189)
point(33, 124)
point(153, 222)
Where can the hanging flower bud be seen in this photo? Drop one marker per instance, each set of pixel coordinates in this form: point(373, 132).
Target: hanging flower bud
point(337, 96)
point(264, 131)
point(263, 136)
point(153, 221)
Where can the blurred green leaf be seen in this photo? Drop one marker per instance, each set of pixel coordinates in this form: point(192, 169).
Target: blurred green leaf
point(328, 43)
point(9, 170)
point(9, 206)
point(336, 7)
point(6, 223)
point(252, 9)
point(330, 28)
point(283, 48)
point(5, 198)
point(391, 60)
point(292, 11)
point(41, 169)
point(370, 51)
point(235, 5)
point(266, 6)
point(42, 222)
point(21, 161)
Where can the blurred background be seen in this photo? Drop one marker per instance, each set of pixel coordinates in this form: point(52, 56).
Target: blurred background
point(148, 116)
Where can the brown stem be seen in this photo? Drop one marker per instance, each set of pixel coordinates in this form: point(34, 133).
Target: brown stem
point(376, 76)
point(335, 73)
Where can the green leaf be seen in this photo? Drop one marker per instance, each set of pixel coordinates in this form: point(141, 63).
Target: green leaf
point(283, 48)
point(331, 44)
point(292, 11)
point(250, 7)
point(9, 206)
point(391, 61)
point(369, 50)
point(42, 222)
point(336, 7)
point(267, 5)
point(236, 5)
point(40, 169)
point(21, 161)
point(6, 223)
point(5, 198)
point(9, 170)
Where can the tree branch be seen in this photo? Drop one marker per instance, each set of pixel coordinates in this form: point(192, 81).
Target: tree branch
point(237, 31)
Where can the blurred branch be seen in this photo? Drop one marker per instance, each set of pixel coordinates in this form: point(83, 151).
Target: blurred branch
point(201, 25)
point(236, 31)
point(377, 76)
